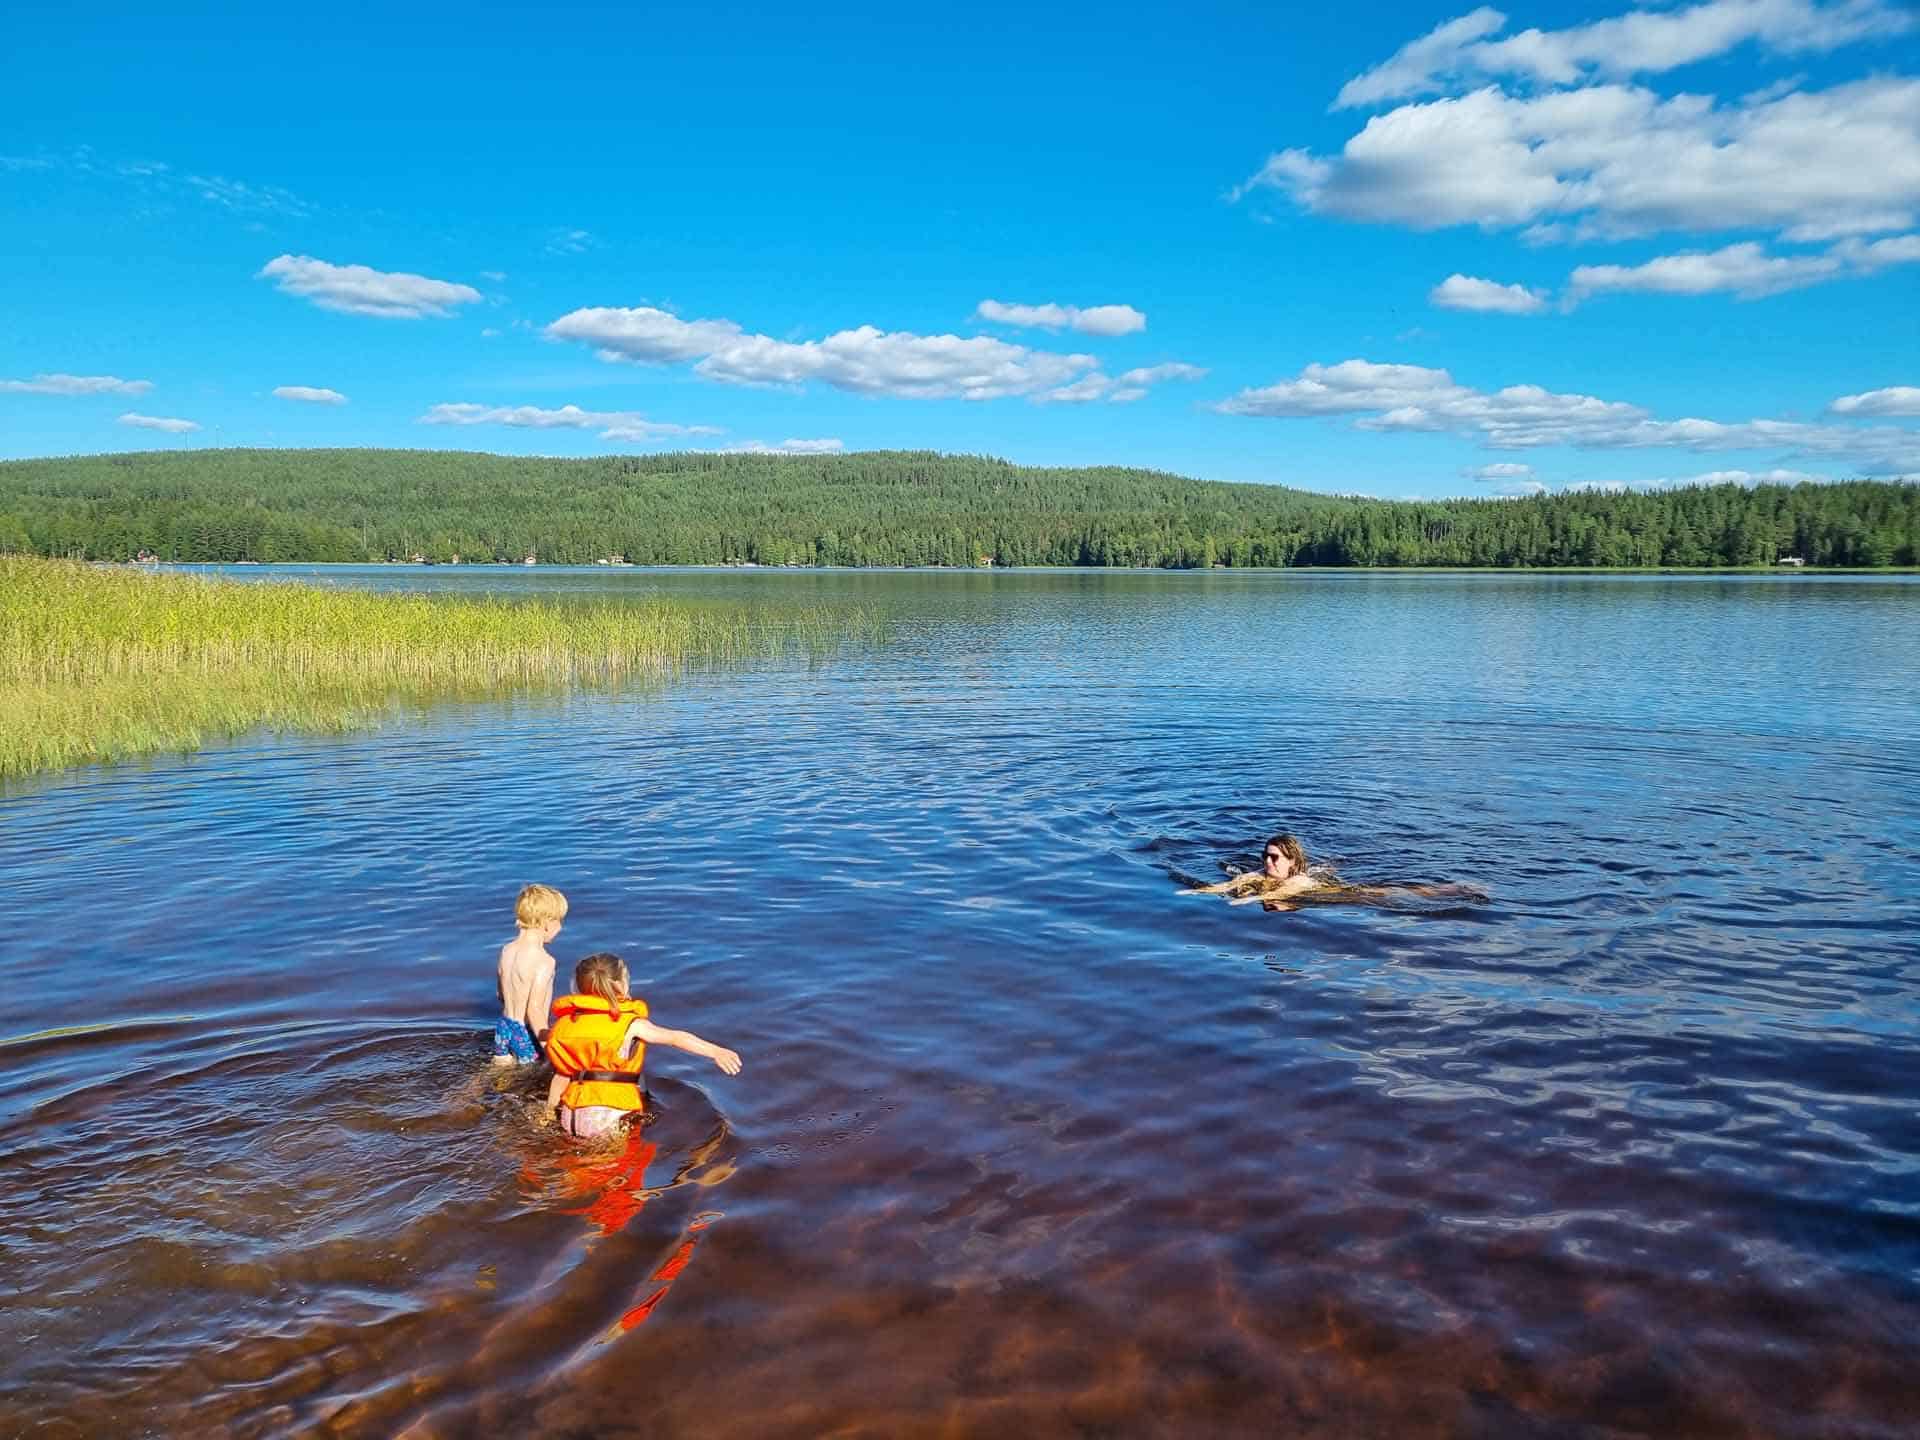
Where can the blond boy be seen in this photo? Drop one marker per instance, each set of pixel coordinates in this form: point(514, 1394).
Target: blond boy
point(526, 976)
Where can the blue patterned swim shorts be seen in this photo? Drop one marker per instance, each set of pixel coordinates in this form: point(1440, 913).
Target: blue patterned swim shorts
point(512, 1039)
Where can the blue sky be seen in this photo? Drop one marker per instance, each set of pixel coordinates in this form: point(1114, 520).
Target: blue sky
point(1405, 250)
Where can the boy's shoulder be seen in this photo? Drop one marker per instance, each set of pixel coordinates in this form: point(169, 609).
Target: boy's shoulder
point(523, 954)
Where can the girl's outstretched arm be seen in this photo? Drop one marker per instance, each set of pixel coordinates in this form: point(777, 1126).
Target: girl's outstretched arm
point(685, 1040)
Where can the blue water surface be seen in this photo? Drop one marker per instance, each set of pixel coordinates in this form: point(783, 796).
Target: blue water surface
point(1027, 1140)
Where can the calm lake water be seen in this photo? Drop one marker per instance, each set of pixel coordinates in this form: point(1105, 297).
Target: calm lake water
point(1027, 1142)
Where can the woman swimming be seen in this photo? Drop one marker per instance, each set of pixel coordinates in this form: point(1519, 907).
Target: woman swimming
point(1284, 875)
point(1283, 872)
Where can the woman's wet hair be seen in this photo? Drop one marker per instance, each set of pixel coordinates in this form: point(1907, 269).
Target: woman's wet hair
point(602, 974)
point(1288, 845)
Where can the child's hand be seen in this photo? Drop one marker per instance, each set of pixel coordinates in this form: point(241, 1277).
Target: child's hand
point(726, 1060)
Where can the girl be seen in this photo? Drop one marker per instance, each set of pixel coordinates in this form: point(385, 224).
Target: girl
point(599, 1043)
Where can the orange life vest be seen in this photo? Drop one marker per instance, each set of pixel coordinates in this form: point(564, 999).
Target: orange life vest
point(585, 1042)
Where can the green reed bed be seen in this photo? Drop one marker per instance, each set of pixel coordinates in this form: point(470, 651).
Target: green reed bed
point(105, 664)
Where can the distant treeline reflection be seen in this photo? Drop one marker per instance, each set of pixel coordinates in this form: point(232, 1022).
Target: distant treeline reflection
point(887, 508)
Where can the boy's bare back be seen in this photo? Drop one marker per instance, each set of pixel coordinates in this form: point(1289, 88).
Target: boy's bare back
point(526, 981)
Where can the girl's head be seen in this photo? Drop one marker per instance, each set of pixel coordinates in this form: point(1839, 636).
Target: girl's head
point(1282, 856)
point(603, 975)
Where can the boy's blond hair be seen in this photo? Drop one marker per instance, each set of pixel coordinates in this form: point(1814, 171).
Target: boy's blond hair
point(539, 905)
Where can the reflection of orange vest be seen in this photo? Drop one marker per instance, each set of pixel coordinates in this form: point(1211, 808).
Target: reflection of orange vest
point(584, 1045)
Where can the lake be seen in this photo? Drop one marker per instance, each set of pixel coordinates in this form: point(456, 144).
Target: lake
point(1027, 1142)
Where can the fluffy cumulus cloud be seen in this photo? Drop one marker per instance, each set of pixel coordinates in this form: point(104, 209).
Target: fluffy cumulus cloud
point(1745, 270)
point(1562, 136)
point(75, 385)
point(1894, 400)
point(864, 361)
point(1414, 398)
point(1123, 389)
point(823, 446)
point(362, 290)
point(1464, 292)
point(1108, 320)
point(310, 394)
point(1607, 161)
point(167, 424)
point(612, 424)
point(643, 335)
point(1463, 51)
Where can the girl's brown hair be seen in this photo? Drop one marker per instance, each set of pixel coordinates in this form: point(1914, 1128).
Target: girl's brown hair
point(604, 975)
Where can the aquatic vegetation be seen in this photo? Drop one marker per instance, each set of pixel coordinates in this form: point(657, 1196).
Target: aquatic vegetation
point(105, 664)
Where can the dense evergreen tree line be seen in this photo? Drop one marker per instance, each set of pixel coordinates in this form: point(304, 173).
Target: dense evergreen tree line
point(885, 508)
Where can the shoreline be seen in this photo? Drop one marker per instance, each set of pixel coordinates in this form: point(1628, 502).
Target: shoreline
point(594, 567)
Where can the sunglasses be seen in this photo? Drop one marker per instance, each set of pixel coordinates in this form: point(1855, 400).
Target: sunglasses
point(1275, 855)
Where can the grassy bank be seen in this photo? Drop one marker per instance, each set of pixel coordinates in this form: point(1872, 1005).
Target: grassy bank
point(107, 664)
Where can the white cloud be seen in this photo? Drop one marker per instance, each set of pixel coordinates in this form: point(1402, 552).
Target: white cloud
point(1464, 292)
point(311, 394)
point(869, 361)
point(1894, 400)
point(1504, 470)
point(1868, 256)
point(1413, 398)
point(1640, 42)
point(865, 361)
point(1106, 320)
point(1157, 374)
point(1416, 67)
point(361, 290)
point(1083, 391)
point(1129, 386)
point(75, 385)
point(823, 446)
point(1616, 160)
point(158, 422)
point(571, 242)
point(496, 277)
point(489, 333)
point(1746, 269)
point(612, 424)
point(643, 335)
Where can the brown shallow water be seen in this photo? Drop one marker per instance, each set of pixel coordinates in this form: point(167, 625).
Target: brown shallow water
point(1026, 1143)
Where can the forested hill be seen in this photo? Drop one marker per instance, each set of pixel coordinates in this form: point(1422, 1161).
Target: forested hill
point(885, 508)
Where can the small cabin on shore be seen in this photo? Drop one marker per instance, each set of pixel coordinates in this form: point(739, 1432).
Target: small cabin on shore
point(1793, 560)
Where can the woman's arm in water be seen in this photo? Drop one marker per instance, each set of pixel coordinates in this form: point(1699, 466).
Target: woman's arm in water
point(1228, 887)
point(647, 1031)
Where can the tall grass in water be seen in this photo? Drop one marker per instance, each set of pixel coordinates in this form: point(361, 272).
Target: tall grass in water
point(102, 664)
